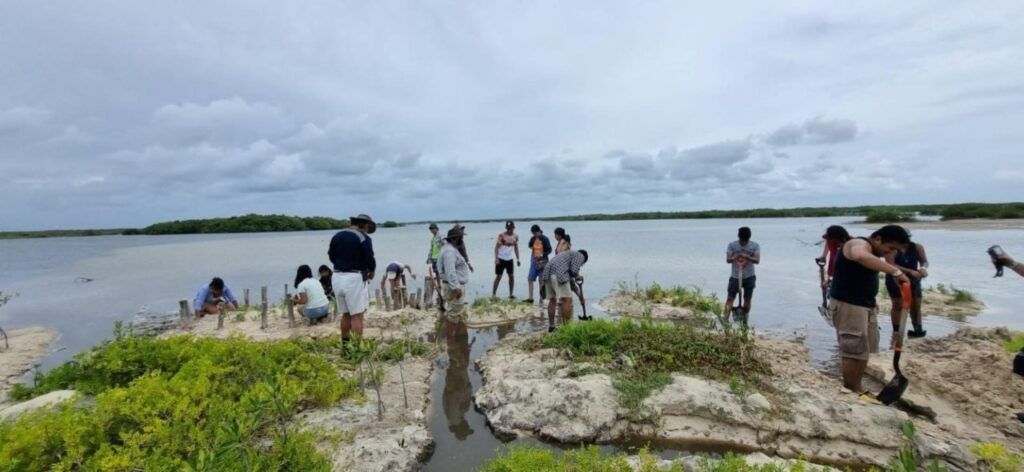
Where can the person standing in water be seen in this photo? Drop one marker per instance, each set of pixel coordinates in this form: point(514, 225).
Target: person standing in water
point(742, 254)
point(913, 261)
point(853, 306)
point(505, 248)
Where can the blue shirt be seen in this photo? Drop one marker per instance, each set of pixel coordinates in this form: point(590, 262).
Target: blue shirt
point(352, 251)
point(203, 295)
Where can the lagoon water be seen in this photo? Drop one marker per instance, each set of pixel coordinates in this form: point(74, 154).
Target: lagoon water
point(80, 286)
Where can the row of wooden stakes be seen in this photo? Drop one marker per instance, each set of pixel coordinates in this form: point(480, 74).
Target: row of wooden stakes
point(423, 299)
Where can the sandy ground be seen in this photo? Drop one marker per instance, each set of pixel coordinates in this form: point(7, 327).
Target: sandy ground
point(27, 347)
point(966, 378)
point(956, 225)
point(378, 324)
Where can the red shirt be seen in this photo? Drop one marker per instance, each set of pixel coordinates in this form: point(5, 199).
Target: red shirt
point(832, 249)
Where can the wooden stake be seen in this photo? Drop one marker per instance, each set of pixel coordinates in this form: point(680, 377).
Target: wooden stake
point(245, 297)
point(220, 319)
point(186, 317)
point(291, 311)
point(419, 299)
point(376, 296)
point(263, 307)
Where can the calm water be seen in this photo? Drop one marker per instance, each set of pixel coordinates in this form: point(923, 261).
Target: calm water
point(80, 286)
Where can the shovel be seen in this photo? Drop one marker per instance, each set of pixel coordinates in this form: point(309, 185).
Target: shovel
point(823, 309)
point(583, 302)
point(737, 311)
point(895, 388)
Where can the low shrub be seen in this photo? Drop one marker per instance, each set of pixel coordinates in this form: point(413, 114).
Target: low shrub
point(178, 404)
point(589, 458)
point(657, 349)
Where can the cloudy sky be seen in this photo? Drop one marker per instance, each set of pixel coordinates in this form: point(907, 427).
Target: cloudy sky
point(125, 113)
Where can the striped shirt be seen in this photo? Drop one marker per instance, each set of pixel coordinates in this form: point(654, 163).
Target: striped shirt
point(564, 266)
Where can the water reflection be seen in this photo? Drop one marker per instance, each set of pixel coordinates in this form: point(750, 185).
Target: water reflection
point(458, 390)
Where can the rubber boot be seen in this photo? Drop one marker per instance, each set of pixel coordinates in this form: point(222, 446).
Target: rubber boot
point(917, 332)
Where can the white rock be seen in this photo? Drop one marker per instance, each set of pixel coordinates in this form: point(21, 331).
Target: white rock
point(757, 401)
point(43, 401)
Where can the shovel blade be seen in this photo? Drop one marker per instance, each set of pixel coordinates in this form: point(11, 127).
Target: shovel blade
point(823, 311)
point(893, 390)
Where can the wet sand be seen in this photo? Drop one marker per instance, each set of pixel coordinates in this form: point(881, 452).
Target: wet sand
point(27, 347)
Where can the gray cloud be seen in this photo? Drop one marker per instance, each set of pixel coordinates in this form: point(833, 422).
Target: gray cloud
point(817, 130)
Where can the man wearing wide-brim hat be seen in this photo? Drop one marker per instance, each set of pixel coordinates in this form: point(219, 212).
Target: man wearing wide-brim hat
point(351, 252)
point(454, 273)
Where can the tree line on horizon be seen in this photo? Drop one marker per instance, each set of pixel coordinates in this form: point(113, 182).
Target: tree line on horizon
point(254, 223)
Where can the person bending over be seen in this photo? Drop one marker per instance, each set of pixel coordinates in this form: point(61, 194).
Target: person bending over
point(853, 306)
point(558, 275)
point(210, 298)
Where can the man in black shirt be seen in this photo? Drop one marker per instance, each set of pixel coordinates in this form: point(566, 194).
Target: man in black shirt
point(854, 288)
point(351, 252)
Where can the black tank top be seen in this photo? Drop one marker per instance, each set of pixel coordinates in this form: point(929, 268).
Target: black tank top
point(853, 283)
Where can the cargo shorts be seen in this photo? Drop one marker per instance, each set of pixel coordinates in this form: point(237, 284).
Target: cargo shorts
point(856, 329)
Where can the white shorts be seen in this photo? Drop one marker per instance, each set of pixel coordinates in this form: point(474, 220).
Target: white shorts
point(555, 289)
point(353, 294)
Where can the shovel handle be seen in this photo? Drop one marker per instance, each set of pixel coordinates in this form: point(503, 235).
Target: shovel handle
point(905, 294)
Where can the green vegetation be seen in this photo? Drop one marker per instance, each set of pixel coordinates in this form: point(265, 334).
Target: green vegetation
point(957, 295)
point(955, 211)
point(244, 224)
point(906, 459)
point(588, 458)
point(497, 306)
point(61, 233)
point(693, 298)
point(888, 216)
point(391, 224)
point(184, 403)
point(1015, 344)
point(654, 350)
point(997, 458)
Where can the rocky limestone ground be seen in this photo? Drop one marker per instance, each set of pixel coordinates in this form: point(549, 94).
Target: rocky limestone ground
point(937, 303)
point(626, 304)
point(695, 463)
point(27, 346)
point(543, 393)
point(399, 442)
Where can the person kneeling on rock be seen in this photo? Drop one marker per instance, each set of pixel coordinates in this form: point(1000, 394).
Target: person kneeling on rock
point(454, 272)
point(310, 294)
point(557, 275)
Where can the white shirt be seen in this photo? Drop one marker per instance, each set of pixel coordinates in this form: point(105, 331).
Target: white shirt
point(315, 296)
point(507, 252)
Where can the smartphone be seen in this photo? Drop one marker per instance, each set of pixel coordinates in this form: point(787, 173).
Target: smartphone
point(997, 253)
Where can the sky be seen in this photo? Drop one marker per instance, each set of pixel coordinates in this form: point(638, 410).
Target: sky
point(126, 113)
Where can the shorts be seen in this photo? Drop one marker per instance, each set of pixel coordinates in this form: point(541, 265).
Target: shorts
point(353, 293)
point(453, 305)
point(894, 289)
point(555, 289)
point(316, 312)
point(535, 270)
point(748, 286)
point(856, 329)
point(504, 266)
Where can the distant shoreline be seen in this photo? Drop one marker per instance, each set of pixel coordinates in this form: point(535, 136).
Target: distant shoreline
point(954, 216)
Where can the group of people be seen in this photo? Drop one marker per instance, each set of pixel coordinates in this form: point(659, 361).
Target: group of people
point(354, 266)
point(853, 267)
